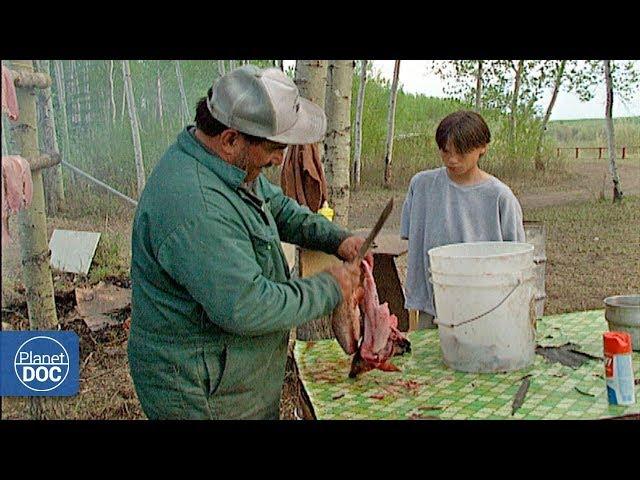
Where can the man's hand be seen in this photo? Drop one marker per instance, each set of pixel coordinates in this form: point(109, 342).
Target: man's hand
point(349, 248)
point(348, 276)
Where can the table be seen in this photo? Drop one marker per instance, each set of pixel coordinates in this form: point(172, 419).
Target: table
point(427, 388)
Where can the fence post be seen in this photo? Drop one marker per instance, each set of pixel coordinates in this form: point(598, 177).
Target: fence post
point(624, 151)
point(599, 153)
point(558, 152)
point(577, 148)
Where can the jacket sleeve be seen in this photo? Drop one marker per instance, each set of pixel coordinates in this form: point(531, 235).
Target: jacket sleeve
point(213, 259)
point(511, 224)
point(299, 225)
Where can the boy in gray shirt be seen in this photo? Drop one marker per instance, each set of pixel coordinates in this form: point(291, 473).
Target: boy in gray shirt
point(454, 204)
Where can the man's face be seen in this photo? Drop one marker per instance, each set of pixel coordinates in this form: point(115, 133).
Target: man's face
point(253, 157)
point(460, 163)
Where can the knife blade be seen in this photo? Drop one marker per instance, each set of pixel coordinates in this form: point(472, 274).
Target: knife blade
point(375, 230)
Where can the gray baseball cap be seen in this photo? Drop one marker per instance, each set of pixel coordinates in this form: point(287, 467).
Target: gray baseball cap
point(266, 103)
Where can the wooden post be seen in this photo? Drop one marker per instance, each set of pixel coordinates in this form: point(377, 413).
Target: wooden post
point(577, 148)
point(624, 151)
point(558, 152)
point(34, 248)
point(54, 191)
point(599, 153)
point(33, 226)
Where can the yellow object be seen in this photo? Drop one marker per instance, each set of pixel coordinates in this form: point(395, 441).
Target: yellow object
point(326, 211)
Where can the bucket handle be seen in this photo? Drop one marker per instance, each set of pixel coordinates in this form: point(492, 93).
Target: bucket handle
point(437, 322)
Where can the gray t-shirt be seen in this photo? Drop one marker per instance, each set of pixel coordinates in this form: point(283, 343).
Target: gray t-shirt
point(438, 211)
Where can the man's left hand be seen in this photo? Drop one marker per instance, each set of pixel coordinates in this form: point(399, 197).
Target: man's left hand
point(349, 248)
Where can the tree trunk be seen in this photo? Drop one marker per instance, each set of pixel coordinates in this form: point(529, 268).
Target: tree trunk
point(135, 129)
point(34, 251)
point(159, 111)
point(338, 139)
point(111, 96)
point(124, 98)
point(87, 95)
point(617, 189)
point(358, 133)
point(53, 186)
point(221, 69)
point(62, 103)
point(556, 88)
point(391, 116)
point(184, 106)
point(514, 108)
point(479, 86)
point(311, 79)
point(280, 64)
point(75, 81)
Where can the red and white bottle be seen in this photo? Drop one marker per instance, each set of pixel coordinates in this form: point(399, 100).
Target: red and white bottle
point(619, 368)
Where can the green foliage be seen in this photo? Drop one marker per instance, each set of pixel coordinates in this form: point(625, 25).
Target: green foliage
point(104, 148)
point(417, 118)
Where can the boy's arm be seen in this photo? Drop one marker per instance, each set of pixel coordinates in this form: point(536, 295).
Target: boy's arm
point(511, 219)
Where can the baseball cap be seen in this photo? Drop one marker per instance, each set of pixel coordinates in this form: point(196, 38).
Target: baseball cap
point(266, 103)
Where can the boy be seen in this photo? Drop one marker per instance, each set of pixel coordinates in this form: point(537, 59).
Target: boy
point(454, 204)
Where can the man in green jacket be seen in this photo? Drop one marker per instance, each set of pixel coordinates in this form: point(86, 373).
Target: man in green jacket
point(213, 299)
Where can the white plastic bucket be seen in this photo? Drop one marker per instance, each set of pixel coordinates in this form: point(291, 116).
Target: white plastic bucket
point(485, 304)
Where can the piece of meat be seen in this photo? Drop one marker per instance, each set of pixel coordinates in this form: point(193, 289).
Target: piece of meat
point(345, 322)
point(373, 337)
point(9, 97)
point(382, 339)
point(17, 190)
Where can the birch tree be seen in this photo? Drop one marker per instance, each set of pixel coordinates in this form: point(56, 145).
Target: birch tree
point(112, 103)
point(62, 103)
point(513, 109)
point(391, 115)
point(135, 128)
point(221, 69)
point(311, 79)
point(32, 225)
point(539, 164)
point(617, 189)
point(87, 94)
point(159, 109)
point(479, 86)
point(184, 106)
point(53, 184)
point(358, 124)
point(338, 139)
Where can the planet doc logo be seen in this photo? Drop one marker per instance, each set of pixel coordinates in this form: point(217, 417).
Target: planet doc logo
point(39, 363)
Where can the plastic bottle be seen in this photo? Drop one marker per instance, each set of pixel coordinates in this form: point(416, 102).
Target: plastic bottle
point(326, 211)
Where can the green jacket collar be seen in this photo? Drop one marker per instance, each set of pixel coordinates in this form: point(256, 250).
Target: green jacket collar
point(229, 174)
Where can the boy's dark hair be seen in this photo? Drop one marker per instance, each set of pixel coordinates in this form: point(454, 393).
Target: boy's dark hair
point(212, 127)
point(466, 129)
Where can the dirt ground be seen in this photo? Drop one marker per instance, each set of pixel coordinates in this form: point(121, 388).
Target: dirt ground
point(106, 390)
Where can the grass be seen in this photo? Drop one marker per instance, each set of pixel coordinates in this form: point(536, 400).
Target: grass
point(593, 251)
point(592, 133)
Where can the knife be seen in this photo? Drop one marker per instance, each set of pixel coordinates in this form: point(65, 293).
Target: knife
point(376, 229)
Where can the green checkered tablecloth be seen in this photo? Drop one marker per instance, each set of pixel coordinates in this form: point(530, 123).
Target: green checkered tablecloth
point(427, 388)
